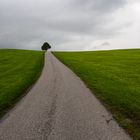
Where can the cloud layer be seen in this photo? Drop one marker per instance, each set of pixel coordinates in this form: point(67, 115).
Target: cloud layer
point(69, 24)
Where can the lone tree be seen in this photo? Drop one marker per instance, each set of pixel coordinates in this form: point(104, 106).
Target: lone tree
point(45, 46)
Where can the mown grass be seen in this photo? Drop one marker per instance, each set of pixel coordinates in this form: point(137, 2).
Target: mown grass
point(114, 77)
point(18, 70)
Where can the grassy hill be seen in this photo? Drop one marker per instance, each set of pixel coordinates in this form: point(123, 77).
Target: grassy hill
point(114, 77)
point(18, 70)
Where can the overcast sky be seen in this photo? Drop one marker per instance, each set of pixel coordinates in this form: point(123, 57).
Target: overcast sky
point(70, 24)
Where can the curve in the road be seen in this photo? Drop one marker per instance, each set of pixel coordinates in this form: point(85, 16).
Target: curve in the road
point(59, 107)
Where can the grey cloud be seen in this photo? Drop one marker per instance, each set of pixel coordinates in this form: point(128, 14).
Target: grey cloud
point(105, 44)
point(27, 24)
point(102, 6)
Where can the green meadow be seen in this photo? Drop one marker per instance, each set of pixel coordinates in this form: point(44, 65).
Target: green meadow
point(114, 77)
point(19, 69)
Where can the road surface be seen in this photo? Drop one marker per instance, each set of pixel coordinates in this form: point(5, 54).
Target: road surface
point(59, 107)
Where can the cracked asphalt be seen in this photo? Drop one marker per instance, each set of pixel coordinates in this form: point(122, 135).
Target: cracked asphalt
point(59, 107)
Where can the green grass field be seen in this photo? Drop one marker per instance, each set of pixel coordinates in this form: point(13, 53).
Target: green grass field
point(114, 77)
point(18, 70)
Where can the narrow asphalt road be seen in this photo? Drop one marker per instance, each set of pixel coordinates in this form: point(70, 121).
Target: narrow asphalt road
point(59, 107)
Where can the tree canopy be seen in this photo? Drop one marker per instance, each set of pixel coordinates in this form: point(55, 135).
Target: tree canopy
point(45, 46)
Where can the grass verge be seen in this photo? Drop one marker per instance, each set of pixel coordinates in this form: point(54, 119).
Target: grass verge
point(19, 69)
point(114, 77)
